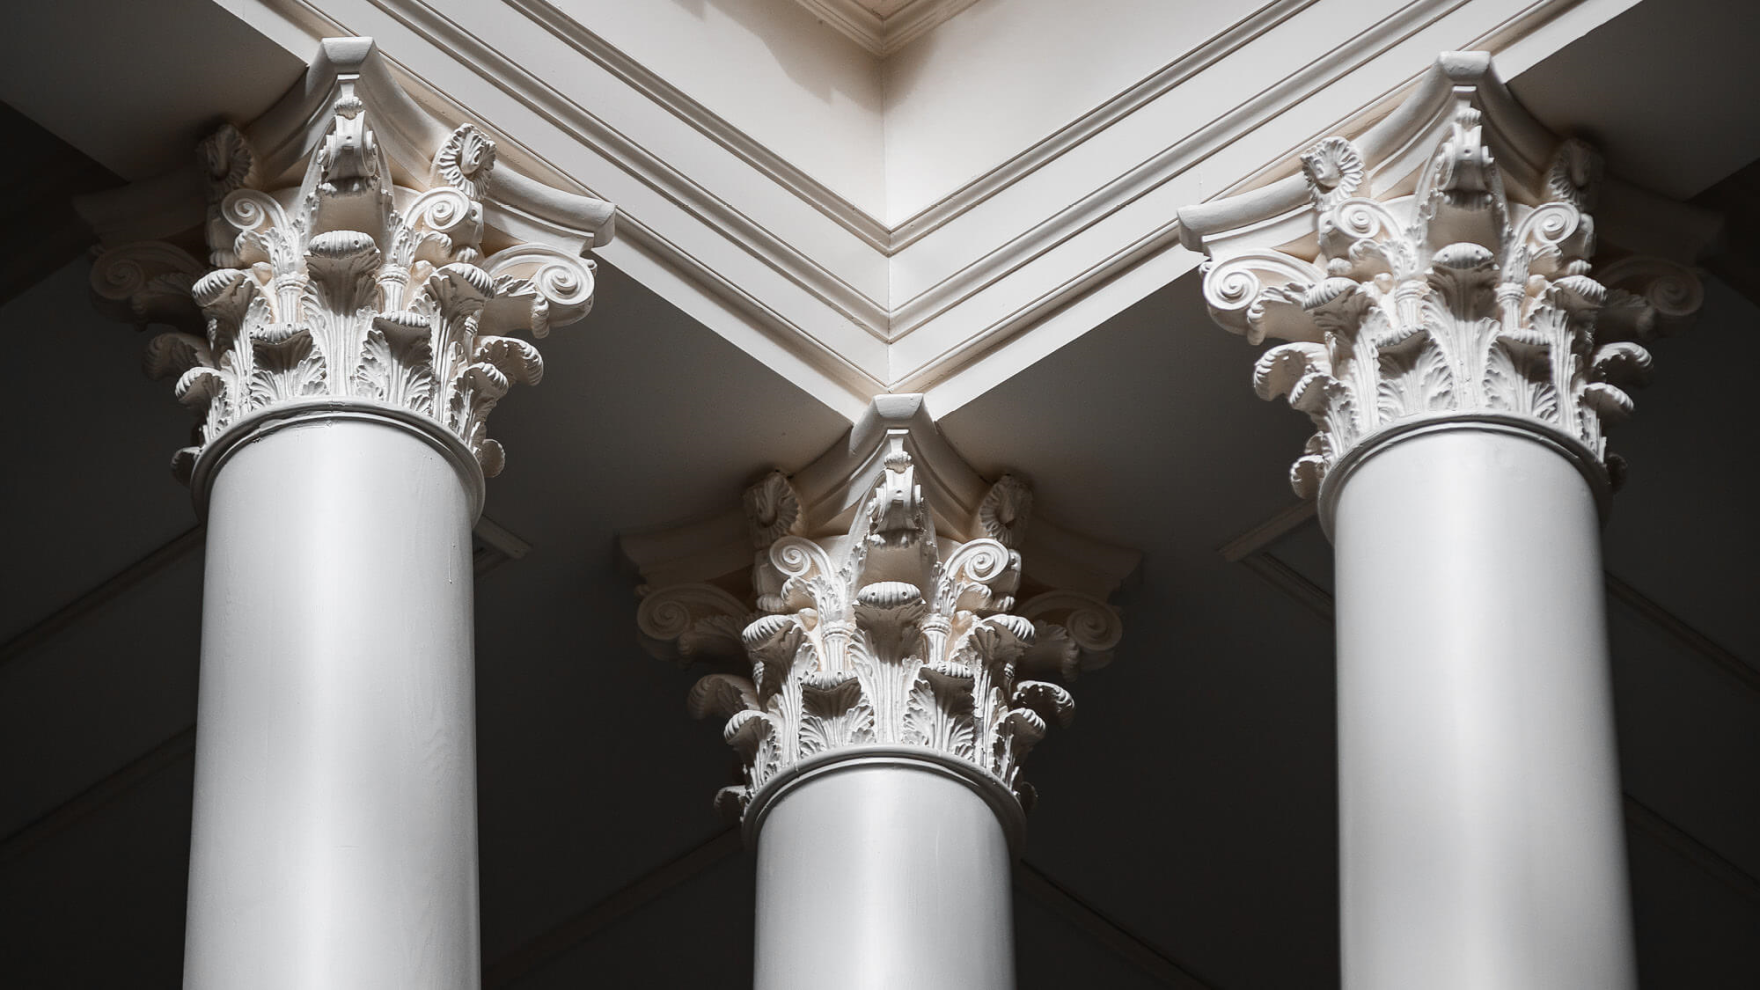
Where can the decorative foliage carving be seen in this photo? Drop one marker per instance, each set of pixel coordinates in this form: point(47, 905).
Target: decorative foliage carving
point(772, 509)
point(1458, 298)
point(1003, 514)
point(1334, 170)
point(147, 282)
point(689, 622)
point(889, 635)
point(349, 286)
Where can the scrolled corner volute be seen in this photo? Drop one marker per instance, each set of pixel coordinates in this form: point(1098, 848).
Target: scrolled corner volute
point(1471, 293)
point(688, 623)
point(885, 633)
point(1075, 633)
point(349, 286)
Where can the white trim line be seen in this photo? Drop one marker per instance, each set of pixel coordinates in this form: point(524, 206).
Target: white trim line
point(705, 121)
point(1072, 135)
point(890, 321)
point(1138, 182)
point(883, 35)
point(593, 132)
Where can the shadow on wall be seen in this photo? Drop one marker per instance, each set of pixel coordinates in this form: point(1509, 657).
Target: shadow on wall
point(809, 51)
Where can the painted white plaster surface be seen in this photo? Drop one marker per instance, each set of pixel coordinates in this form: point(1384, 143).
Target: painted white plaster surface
point(771, 69)
point(1460, 358)
point(1479, 811)
point(883, 876)
point(996, 79)
point(817, 206)
point(335, 831)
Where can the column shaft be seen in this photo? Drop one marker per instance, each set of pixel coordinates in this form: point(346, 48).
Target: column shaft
point(878, 877)
point(884, 690)
point(1480, 825)
point(335, 839)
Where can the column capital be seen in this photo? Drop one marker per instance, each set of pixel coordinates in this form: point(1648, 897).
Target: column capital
point(1438, 268)
point(887, 605)
point(359, 252)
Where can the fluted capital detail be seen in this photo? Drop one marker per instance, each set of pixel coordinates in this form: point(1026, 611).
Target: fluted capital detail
point(358, 269)
point(908, 624)
point(1440, 267)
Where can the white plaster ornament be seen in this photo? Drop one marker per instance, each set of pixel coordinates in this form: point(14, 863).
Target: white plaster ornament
point(1468, 294)
point(892, 634)
point(1431, 281)
point(361, 283)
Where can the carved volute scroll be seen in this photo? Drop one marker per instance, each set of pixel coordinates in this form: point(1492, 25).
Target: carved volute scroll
point(1463, 291)
point(893, 630)
point(370, 279)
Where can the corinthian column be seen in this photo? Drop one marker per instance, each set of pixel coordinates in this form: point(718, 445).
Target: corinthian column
point(891, 678)
point(1460, 358)
point(348, 337)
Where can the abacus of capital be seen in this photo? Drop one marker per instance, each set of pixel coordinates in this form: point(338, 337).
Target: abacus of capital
point(347, 340)
point(1432, 281)
point(892, 656)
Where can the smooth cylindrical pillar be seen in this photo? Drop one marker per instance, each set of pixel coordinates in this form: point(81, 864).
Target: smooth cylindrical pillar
point(1480, 829)
point(335, 835)
point(876, 875)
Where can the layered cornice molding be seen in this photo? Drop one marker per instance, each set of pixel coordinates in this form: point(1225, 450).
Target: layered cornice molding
point(886, 606)
point(1437, 267)
point(359, 253)
point(884, 26)
point(1017, 261)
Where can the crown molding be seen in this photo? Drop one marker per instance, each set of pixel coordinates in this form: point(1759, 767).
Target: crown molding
point(790, 268)
point(1074, 134)
point(705, 121)
point(1167, 162)
point(1138, 201)
point(886, 26)
point(777, 253)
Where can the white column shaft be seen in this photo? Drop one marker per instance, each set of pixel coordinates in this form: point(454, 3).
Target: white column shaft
point(335, 837)
point(880, 877)
point(1480, 828)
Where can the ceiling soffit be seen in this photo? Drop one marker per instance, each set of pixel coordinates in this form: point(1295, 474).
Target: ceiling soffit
point(983, 282)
